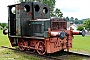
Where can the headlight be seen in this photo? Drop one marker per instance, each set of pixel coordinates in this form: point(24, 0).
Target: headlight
point(62, 35)
point(83, 32)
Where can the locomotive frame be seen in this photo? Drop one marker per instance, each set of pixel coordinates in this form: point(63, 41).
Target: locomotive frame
point(31, 28)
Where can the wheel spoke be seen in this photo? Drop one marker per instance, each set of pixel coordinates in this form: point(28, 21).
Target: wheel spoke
point(21, 44)
point(41, 48)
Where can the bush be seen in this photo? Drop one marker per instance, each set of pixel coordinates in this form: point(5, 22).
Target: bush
point(80, 28)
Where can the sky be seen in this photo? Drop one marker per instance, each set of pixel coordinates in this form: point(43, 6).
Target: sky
point(72, 8)
point(4, 10)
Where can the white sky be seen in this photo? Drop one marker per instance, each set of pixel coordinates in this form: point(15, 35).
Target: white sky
point(72, 8)
point(4, 10)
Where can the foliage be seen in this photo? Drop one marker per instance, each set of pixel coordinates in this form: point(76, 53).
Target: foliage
point(67, 18)
point(3, 25)
point(76, 18)
point(7, 27)
point(21, 0)
point(78, 22)
point(87, 24)
point(58, 13)
point(71, 21)
point(0, 24)
point(50, 3)
point(72, 18)
point(80, 28)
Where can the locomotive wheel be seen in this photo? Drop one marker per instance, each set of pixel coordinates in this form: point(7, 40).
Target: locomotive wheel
point(41, 48)
point(21, 44)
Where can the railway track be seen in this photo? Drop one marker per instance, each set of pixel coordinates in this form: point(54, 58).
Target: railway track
point(29, 52)
point(50, 56)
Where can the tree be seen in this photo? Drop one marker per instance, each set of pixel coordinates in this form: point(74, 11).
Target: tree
point(76, 18)
point(0, 24)
point(3, 25)
point(21, 0)
point(80, 21)
point(76, 22)
point(80, 28)
point(58, 13)
point(67, 18)
point(87, 24)
point(72, 18)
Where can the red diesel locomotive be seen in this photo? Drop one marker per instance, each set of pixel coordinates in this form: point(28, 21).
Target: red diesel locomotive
point(31, 28)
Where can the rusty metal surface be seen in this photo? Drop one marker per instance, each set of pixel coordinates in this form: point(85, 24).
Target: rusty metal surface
point(26, 10)
point(23, 15)
point(55, 44)
point(58, 24)
point(40, 10)
point(33, 10)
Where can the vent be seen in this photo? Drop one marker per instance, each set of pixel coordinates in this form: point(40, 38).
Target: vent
point(58, 25)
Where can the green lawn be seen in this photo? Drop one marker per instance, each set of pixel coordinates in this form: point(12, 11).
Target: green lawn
point(4, 39)
point(7, 54)
point(81, 43)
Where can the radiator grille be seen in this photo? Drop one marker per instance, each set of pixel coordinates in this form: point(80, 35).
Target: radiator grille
point(58, 25)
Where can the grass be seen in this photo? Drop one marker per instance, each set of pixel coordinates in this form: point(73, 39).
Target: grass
point(4, 39)
point(81, 43)
point(6, 54)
